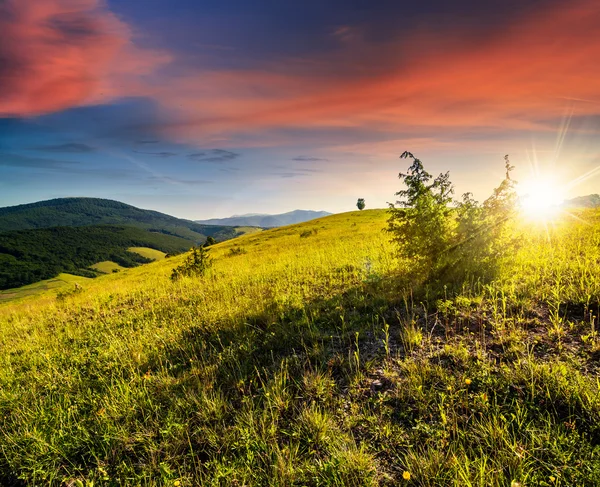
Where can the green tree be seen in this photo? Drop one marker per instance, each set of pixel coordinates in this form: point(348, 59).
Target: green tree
point(420, 222)
point(195, 264)
point(360, 204)
point(209, 241)
point(443, 239)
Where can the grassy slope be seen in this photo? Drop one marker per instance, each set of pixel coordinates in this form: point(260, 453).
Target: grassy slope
point(107, 266)
point(46, 288)
point(148, 252)
point(300, 360)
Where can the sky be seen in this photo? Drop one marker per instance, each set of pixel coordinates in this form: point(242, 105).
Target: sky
point(202, 108)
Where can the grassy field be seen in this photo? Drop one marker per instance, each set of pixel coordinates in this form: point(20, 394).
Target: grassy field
point(148, 252)
point(304, 357)
point(46, 288)
point(107, 267)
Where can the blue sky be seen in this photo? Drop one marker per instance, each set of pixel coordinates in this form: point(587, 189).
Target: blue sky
point(204, 109)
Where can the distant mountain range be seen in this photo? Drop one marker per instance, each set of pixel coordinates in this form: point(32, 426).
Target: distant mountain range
point(265, 220)
point(79, 212)
point(588, 201)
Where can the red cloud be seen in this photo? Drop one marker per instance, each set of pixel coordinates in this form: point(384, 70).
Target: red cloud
point(55, 54)
point(526, 74)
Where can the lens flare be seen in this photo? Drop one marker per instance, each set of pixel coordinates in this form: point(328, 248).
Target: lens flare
point(541, 199)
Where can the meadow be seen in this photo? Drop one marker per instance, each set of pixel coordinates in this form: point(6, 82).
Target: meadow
point(306, 356)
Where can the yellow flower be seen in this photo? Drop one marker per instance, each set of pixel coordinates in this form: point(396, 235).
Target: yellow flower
point(406, 475)
point(552, 478)
point(177, 483)
point(468, 382)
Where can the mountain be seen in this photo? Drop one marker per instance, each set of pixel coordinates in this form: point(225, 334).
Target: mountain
point(78, 212)
point(588, 201)
point(28, 256)
point(266, 221)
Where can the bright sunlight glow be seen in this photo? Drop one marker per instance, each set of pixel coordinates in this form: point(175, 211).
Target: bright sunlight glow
point(541, 199)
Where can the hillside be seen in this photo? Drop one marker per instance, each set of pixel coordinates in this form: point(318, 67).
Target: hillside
point(27, 256)
point(267, 221)
point(76, 212)
point(306, 356)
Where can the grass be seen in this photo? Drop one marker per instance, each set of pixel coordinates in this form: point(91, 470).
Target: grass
point(47, 288)
point(304, 358)
point(148, 252)
point(107, 267)
point(247, 230)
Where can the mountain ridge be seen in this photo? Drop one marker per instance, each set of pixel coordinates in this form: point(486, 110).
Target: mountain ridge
point(84, 211)
point(267, 220)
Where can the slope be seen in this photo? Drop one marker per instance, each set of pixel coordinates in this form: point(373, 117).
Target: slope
point(27, 256)
point(75, 212)
point(267, 221)
point(305, 356)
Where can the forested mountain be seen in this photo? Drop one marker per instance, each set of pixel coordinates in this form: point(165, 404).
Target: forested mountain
point(28, 256)
point(77, 212)
point(267, 221)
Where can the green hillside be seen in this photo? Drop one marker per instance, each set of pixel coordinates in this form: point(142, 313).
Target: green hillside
point(27, 256)
point(45, 288)
point(75, 212)
point(307, 356)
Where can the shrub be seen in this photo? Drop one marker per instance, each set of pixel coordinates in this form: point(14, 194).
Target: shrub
point(209, 241)
point(442, 239)
point(195, 264)
point(308, 233)
point(233, 251)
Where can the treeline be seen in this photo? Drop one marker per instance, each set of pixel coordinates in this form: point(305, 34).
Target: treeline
point(28, 256)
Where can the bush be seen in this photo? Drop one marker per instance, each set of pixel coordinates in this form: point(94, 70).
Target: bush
point(195, 264)
point(442, 239)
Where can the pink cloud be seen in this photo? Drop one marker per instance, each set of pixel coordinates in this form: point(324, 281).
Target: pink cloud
point(56, 54)
point(528, 73)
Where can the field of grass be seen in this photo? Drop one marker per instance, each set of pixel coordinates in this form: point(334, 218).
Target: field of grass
point(247, 230)
point(47, 288)
point(107, 266)
point(305, 358)
point(148, 252)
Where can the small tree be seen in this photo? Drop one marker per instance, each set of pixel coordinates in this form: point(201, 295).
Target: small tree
point(442, 238)
point(360, 204)
point(195, 264)
point(209, 241)
point(420, 223)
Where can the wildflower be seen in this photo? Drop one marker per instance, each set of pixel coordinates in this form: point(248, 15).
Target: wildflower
point(177, 483)
point(552, 478)
point(449, 388)
point(406, 475)
point(514, 483)
point(468, 382)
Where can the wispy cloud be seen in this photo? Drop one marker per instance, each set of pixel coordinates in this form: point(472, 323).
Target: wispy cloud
point(214, 155)
point(308, 159)
point(164, 155)
point(15, 160)
point(178, 181)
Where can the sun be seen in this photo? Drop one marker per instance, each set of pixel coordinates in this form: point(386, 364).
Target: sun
point(541, 199)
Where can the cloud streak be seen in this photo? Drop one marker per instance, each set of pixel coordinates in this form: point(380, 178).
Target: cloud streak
point(214, 155)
